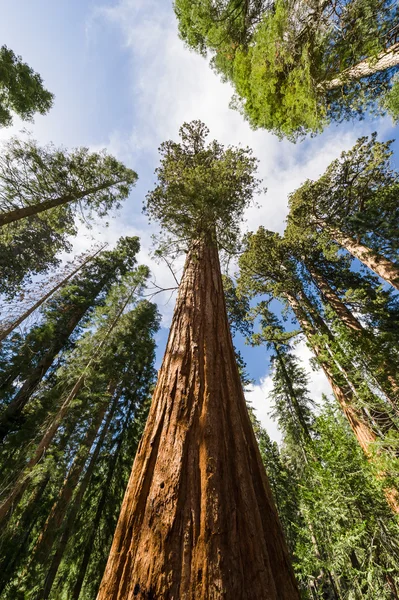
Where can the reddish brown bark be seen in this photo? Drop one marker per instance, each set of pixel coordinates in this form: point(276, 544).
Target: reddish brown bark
point(198, 521)
point(385, 371)
point(344, 395)
point(383, 267)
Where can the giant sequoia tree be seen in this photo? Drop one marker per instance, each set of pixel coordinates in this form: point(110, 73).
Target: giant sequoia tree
point(198, 519)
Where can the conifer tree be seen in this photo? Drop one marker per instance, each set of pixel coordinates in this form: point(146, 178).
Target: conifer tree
point(198, 465)
point(63, 313)
point(116, 385)
point(354, 203)
point(43, 190)
point(21, 89)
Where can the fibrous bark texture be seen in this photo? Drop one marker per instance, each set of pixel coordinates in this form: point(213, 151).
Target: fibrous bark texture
point(198, 521)
point(383, 267)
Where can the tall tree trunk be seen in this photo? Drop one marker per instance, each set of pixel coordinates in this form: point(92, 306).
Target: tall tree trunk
point(57, 514)
point(34, 209)
point(292, 395)
point(385, 370)
point(383, 267)
point(88, 547)
point(7, 329)
point(198, 519)
point(68, 524)
point(344, 395)
point(386, 59)
point(52, 429)
point(13, 412)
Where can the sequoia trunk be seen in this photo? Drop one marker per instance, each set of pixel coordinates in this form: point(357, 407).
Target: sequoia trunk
point(198, 520)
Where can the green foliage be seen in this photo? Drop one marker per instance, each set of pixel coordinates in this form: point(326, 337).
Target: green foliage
point(90, 183)
point(202, 191)
point(21, 89)
point(358, 195)
point(282, 56)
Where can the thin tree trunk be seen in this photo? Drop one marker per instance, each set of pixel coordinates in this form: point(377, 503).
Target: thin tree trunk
point(48, 436)
point(68, 525)
point(14, 409)
point(384, 368)
point(344, 395)
point(9, 328)
point(34, 209)
point(386, 59)
point(57, 514)
point(88, 548)
point(198, 520)
point(383, 267)
point(292, 394)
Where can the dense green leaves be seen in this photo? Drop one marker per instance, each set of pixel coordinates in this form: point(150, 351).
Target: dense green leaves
point(21, 89)
point(202, 190)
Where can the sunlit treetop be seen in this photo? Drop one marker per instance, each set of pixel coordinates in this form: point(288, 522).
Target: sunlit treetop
point(358, 194)
point(202, 189)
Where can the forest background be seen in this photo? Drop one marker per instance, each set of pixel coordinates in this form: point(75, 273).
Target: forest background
point(124, 81)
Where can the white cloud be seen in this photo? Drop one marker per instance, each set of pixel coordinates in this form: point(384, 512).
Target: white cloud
point(259, 397)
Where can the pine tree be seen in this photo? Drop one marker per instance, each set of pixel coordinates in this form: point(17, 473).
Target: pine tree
point(354, 203)
point(43, 190)
point(63, 314)
point(119, 377)
point(198, 462)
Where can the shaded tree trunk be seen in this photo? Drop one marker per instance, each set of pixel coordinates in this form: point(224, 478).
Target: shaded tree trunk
point(386, 59)
point(344, 395)
point(293, 397)
point(198, 519)
point(57, 514)
point(385, 371)
point(7, 329)
point(100, 508)
point(9, 417)
point(68, 524)
point(23, 479)
point(34, 209)
point(383, 267)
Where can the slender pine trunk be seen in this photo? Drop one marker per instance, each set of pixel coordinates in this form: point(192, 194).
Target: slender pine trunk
point(34, 209)
point(344, 394)
point(292, 395)
point(68, 524)
point(12, 414)
point(386, 59)
point(51, 528)
point(384, 371)
point(383, 267)
point(7, 329)
point(88, 548)
point(23, 478)
point(198, 519)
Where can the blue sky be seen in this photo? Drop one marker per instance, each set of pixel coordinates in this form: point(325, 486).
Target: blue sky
point(124, 81)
